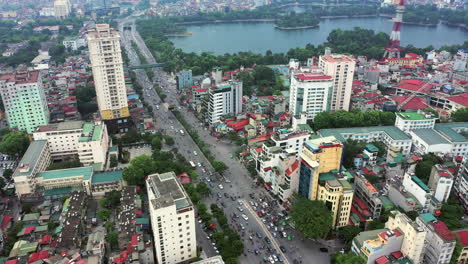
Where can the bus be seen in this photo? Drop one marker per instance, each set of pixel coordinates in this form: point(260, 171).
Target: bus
point(182, 132)
point(192, 164)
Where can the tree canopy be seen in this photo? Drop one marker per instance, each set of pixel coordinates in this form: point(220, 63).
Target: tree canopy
point(354, 118)
point(461, 115)
point(312, 218)
point(139, 168)
point(347, 258)
point(14, 144)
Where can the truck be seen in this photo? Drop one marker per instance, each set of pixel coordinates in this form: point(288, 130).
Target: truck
point(182, 132)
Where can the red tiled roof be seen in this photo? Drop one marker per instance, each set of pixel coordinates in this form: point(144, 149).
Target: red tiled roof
point(312, 76)
point(397, 254)
point(6, 221)
point(134, 240)
point(258, 150)
point(442, 230)
point(12, 261)
point(382, 260)
point(461, 99)
point(239, 125)
point(293, 168)
point(45, 240)
point(367, 95)
point(413, 85)
point(29, 229)
point(38, 256)
point(463, 236)
point(414, 103)
point(200, 90)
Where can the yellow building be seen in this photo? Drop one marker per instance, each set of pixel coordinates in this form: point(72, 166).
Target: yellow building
point(463, 238)
point(338, 196)
point(319, 177)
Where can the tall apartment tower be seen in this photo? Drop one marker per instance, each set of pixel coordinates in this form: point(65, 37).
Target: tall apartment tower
point(172, 219)
point(62, 8)
point(341, 69)
point(225, 98)
point(24, 100)
point(107, 66)
point(310, 93)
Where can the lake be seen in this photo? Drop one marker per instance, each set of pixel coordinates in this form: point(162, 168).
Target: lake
point(260, 37)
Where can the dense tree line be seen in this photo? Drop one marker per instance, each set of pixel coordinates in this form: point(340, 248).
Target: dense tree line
point(429, 14)
point(293, 20)
point(354, 118)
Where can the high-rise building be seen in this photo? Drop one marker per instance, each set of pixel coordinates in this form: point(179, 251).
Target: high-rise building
point(172, 219)
point(24, 100)
point(223, 99)
point(341, 69)
point(320, 179)
point(62, 8)
point(310, 92)
point(461, 183)
point(107, 66)
point(441, 182)
point(184, 79)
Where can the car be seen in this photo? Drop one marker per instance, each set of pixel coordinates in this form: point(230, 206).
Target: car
point(233, 198)
point(251, 237)
point(271, 260)
point(199, 164)
point(242, 226)
point(259, 214)
point(240, 209)
point(227, 181)
point(245, 217)
point(284, 234)
point(172, 127)
point(322, 249)
point(267, 240)
point(280, 259)
point(222, 204)
point(221, 186)
point(275, 258)
point(219, 195)
point(240, 203)
point(283, 249)
point(236, 215)
point(258, 235)
point(200, 221)
point(226, 195)
point(195, 153)
point(252, 196)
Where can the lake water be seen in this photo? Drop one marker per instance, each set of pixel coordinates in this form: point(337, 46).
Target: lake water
point(260, 37)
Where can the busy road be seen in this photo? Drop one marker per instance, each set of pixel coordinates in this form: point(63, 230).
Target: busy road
point(266, 235)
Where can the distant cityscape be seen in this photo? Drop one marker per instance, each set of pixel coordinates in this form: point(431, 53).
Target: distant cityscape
point(116, 147)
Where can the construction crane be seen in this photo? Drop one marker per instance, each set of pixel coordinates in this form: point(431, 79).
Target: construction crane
point(424, 86)
point(393, 47)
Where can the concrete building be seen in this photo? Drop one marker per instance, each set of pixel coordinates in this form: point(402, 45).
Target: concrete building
point(441, 182)
point(318, 156)
point(289, 141)
point(341, 69)
point(444, 138)
point(106, 62)
point(371, 152)
point(310, 92)
point(463, 237)
point(172, 219)
point(337, 193)
point(409, 121)
point(389, 135)
point(416, 187)
point(74, 43)
point(439, 242)
point(24, 100)
point(413, 243)
point(224, 99)
point(35, 160)
point(372, 245)
point(364, 191)
point(88, 141)
point(62, 8)
point(319, 179)
point(460, 186)
point(212, 260)
point(184, 79)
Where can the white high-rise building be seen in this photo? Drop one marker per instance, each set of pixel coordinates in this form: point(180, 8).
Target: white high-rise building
point(225, 98)
point(24, 100)
point(310, 93)
point(107, 65)
point(62, 8)
point(172, 219)
point(341, 69)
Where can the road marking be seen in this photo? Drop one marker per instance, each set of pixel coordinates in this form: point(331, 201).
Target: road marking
point(265, 230)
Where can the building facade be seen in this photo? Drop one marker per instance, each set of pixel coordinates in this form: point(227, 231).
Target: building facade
point(24, 100)
point(36, 159)
point(224, 99)
point(310, 92)
point(107, 65)
point(414, 236)
point(74, 43)
point(88, 141)
point(172, 219)
point(409, 121)
point(341, 69)
point(441, 182)
point(184, 79)
point(62, 8)
point(461, 183)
